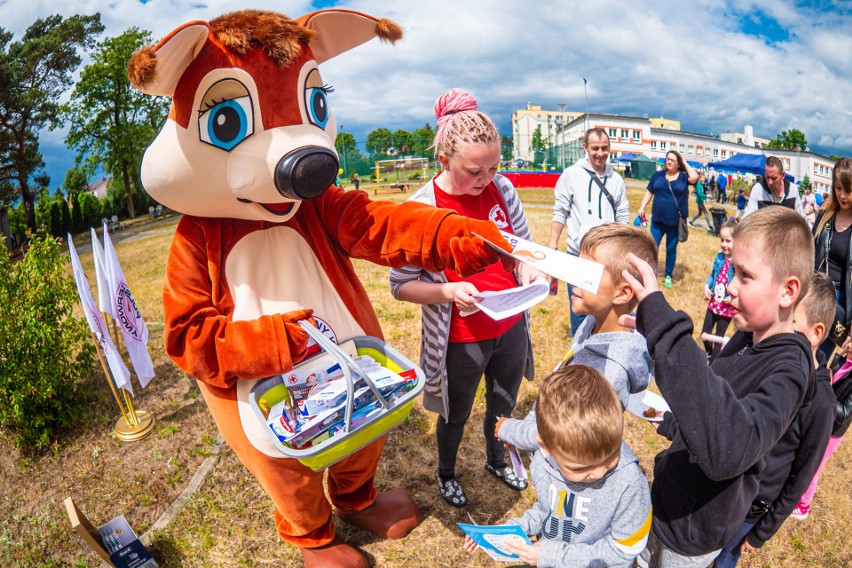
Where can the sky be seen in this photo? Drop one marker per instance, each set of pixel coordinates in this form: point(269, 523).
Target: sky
point(714, 65)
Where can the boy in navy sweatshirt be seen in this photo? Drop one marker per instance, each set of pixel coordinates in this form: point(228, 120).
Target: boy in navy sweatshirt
point(791, 464)
point(727, 417)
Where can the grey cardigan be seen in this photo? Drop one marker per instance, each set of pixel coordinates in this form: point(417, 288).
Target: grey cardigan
point(435, 326)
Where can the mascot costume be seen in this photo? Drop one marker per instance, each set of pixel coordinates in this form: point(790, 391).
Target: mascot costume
point(247, 155)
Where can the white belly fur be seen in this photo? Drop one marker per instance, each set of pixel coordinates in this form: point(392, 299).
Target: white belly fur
point(274, 272)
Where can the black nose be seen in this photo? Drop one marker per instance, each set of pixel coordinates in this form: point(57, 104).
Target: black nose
point(306, 172)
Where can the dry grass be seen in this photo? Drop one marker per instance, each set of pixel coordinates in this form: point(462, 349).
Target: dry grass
point(229, 520)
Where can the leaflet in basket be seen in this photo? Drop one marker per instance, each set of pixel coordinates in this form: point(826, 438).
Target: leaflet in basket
point(314, 403)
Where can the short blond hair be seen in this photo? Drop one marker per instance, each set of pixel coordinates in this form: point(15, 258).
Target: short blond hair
point(579, 413)
point(820, 304)
point(611, 242)
point(785, 242)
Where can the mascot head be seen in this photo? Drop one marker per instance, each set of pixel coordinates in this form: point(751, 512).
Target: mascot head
point(249, 134)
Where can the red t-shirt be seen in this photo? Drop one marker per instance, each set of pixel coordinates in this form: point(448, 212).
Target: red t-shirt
point(489, 206)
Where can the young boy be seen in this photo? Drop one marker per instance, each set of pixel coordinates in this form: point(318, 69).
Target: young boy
point(725, 418)
point(593, 507)
point(791, 464)
point(619, 353)
point(742, 201)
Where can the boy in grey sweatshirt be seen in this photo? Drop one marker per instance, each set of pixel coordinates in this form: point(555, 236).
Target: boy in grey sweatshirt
point(593, 504)
point(619, 353)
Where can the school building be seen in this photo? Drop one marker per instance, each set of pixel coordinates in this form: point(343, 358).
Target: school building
point(652, 137)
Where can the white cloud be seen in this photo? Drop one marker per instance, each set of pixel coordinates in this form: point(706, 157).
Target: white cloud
point(682, 60)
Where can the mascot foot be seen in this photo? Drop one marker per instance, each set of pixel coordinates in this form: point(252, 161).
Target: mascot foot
point(336, 554)
point(392, 515)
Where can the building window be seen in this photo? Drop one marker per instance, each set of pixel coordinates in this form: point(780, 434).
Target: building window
point(613, 156)
point(662, 145)
point(724, 154)
point(690, 150)
point(699, 151)
point(612, 132)
point(653, 144)
point(624, 134)
point(817, 169)
point(681, 148)
point(637, 136)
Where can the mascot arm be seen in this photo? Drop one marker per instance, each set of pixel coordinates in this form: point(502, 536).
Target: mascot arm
point(409, 233)
point(203, 341)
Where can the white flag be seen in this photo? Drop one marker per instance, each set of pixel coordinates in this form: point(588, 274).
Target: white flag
point(101, 276)
point(130, 321)
point(120, 374)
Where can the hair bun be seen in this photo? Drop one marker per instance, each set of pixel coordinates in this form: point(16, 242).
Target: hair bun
point(453, 101)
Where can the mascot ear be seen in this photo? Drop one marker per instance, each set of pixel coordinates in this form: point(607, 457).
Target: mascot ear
point(341, 30)
point(155, 70)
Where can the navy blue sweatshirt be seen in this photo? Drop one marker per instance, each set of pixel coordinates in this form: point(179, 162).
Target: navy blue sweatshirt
point(792, 463)
point(726, 418)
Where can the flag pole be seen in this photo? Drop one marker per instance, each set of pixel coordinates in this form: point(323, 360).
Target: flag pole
point(109, 377)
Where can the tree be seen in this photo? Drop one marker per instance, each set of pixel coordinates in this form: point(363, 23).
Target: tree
point(421, 140)
point(347, 149)
point(378, 141)
point(111, 124)
point(538, 143)
point(792, 140)
point(34, 72)
point(402, 141)
point(834, 157)
point(506, 145)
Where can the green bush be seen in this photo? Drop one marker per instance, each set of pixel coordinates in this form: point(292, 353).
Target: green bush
point(45, 350)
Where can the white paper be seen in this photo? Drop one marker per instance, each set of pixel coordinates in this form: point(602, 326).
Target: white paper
point(499, 305)
point(576, 271)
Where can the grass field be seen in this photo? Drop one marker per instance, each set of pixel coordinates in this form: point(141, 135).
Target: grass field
point(228, 521)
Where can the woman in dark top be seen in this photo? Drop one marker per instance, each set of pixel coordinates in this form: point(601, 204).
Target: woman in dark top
point(833, 253)
point(670, 186)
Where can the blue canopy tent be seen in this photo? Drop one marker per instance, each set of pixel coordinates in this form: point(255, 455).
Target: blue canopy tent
point(695, 164)
point(627, 157)
point(745, 163)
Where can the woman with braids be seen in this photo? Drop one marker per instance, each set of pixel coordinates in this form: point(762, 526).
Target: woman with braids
point(459, 343)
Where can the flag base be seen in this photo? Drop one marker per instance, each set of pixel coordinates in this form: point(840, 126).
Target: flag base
point(128, 433)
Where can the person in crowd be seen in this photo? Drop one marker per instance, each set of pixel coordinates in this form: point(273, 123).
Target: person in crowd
point(793, 461)
point(587, 194)
point(723, 184)
point(592, 504)
point(669, 189)
point(833, 252)
point(457, 348)
point(700, 197)
point(356, 181)
point(618, 352)
point(742, 201)
point(706, 481)
point(773, 188)
point(809, 206)
point(719, 309)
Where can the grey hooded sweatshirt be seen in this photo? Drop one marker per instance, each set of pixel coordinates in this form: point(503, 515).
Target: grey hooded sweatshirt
point(620, 356)
point(605, 523)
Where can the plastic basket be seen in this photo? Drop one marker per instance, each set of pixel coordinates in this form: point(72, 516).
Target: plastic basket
point(272, 390)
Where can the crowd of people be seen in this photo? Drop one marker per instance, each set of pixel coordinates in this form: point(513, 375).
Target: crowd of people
point(713, 497)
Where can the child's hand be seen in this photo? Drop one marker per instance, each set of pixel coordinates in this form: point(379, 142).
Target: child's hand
point(500, 421)
point(528, 273)
point(528, 553)
point(746, 548)
point(469, 545)
point(707, 293)
point(648, 285)
point(463, 296)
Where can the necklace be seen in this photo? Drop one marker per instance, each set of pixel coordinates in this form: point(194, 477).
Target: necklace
point(842, 222)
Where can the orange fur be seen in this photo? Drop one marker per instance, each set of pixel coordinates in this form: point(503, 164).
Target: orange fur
point(388, 31)
point(281, 38)
point(142, 66)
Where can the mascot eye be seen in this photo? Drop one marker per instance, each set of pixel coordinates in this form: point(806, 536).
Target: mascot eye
point(316, 103)
point(227, 123)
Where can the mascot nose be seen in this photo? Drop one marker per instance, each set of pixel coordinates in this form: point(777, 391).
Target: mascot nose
point(306, 172)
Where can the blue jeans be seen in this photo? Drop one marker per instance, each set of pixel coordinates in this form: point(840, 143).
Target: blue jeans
point(576, 319)
point(731, 554)
point(670, 232)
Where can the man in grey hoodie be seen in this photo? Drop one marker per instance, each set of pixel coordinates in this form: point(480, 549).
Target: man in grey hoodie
point(593, 505)
point(587, 194)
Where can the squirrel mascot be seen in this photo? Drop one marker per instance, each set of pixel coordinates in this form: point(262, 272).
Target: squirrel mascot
point(247, 155)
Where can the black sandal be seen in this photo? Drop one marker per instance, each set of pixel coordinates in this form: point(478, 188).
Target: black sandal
point(452, 491)
point(507, 475)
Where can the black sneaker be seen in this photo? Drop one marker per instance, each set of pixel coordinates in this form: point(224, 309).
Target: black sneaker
point(452, 491)
point(507, 475)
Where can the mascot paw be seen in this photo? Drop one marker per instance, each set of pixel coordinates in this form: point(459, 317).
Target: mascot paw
point(393, 514)
point(336, 554)
point(465, 252)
